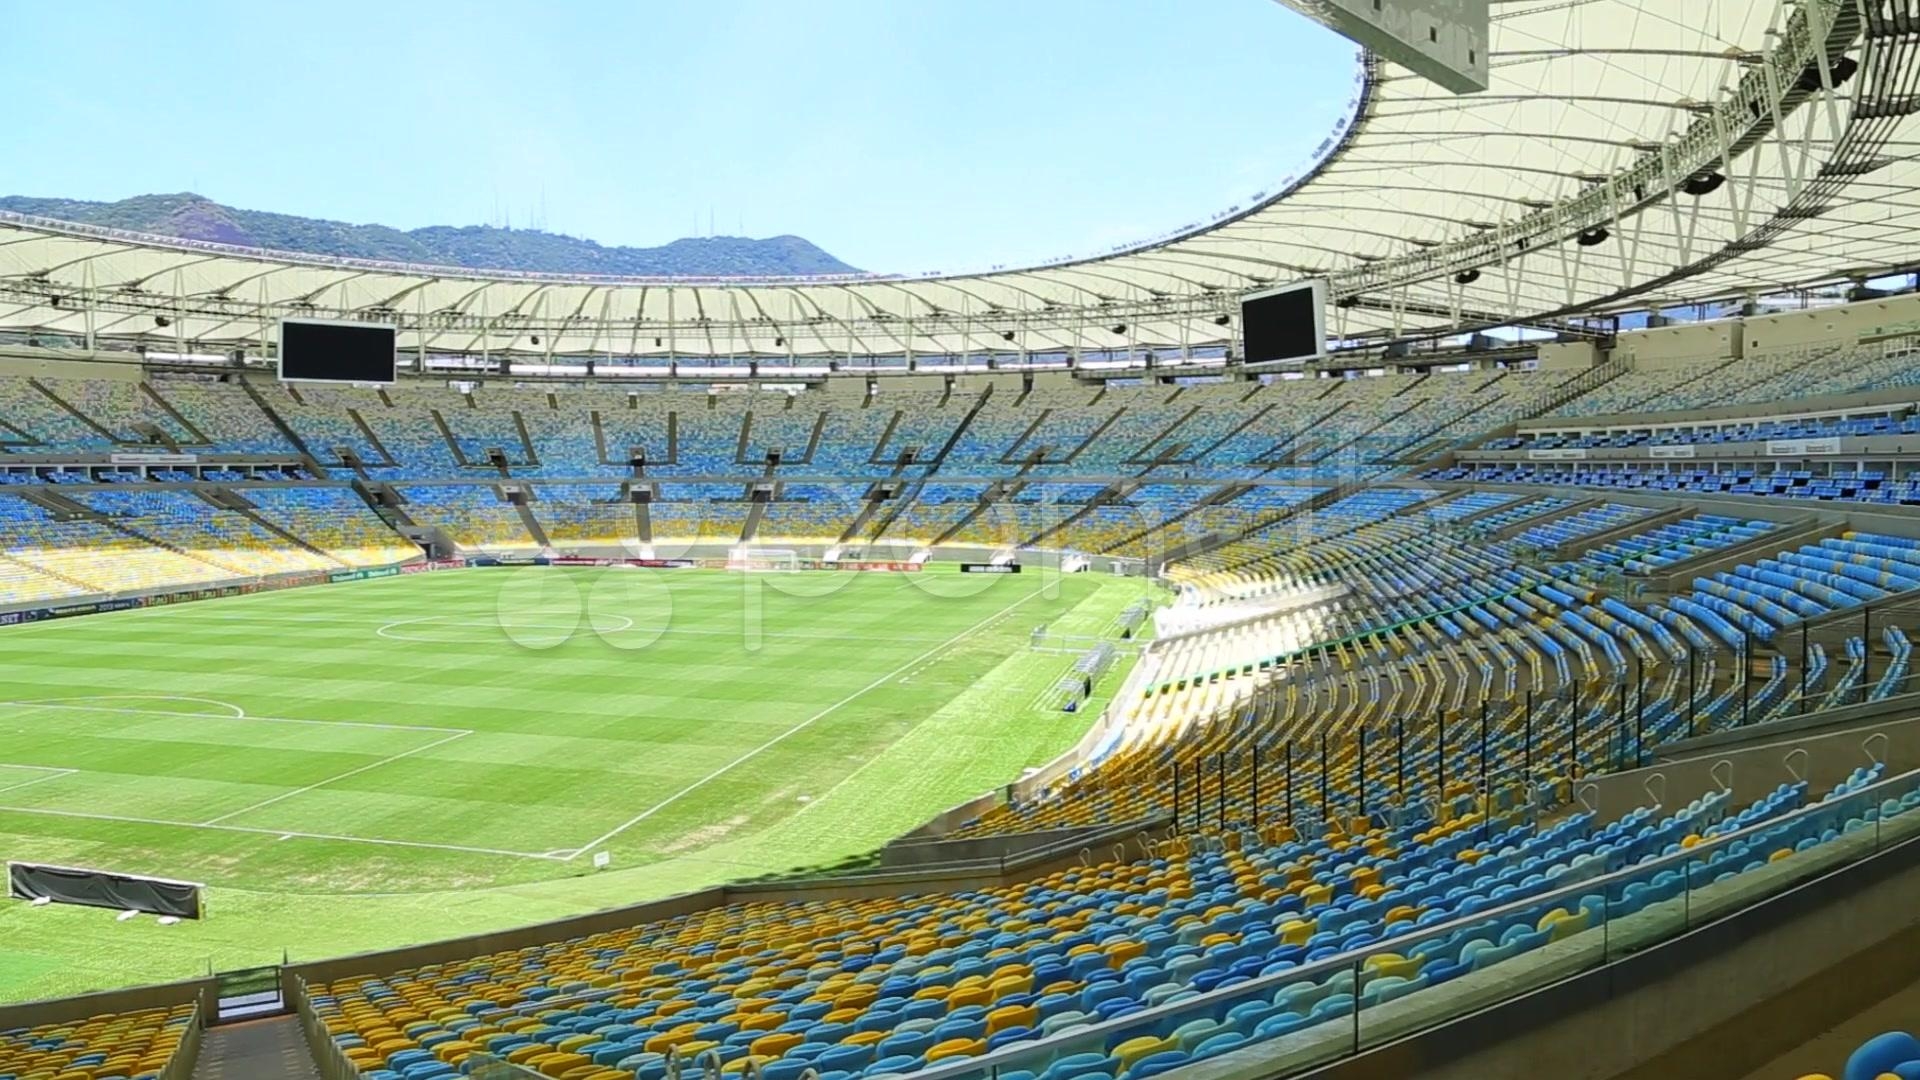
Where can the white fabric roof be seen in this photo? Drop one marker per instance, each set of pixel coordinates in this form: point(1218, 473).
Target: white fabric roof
point(1597, 109)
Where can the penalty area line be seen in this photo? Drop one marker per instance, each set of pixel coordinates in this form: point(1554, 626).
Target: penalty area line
point(390, 759)
point(280, 834)
point(51, 774)
point(799, 727)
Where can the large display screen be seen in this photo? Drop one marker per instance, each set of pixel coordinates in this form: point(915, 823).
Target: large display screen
point(1288, 323)
point(344, 352)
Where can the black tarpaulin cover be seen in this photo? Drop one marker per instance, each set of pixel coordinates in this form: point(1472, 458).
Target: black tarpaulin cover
point(99, 888)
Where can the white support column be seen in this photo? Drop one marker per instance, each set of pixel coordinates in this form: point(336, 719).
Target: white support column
point(486, 333)
point(673, 334)
point(86, 302)
point(179, 320)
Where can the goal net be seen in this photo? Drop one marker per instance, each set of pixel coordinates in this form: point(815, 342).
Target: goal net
point(763, 560)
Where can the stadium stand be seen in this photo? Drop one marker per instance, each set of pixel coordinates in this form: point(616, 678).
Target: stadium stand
point(891, 985)
point(474, 515)
point(141, 1045)
point(1368, 711)
point(336, 521)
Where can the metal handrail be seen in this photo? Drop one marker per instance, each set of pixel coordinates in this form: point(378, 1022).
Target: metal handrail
point(1009, 1056)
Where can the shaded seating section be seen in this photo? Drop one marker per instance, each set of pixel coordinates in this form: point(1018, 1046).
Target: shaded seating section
point(225, 414)
point(561, 426)
point(44, 425)
point(891, 423)
point(1034, 510)
point(1755, 378)
point(121, 406)
point(1243, 563)
point(125, 1046)
point(326, 419)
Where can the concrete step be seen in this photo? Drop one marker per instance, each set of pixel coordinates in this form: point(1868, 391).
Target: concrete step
point(270, 1049)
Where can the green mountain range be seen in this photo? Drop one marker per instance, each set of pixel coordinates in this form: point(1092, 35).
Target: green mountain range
point(187, 216)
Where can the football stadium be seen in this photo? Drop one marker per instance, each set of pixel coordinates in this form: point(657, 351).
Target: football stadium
point(1448, 616)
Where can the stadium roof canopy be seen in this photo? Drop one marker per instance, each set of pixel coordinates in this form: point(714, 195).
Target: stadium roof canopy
point(1627, 152)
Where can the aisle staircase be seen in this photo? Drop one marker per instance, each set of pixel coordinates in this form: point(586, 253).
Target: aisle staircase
point(269, 1049)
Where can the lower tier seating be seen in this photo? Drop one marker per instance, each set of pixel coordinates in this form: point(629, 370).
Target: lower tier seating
point(1199, 940)
point(126, 1046)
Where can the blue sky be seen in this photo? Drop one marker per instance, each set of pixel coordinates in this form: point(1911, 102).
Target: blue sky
point(901, 135)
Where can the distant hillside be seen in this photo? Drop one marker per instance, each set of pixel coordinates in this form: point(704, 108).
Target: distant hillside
point(478, 247)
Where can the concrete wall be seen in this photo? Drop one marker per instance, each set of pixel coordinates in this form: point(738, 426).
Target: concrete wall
point(1009, 383)
point(37, 363)
point(1719, 1001)
point(920, 384)
point(1835, 325)
point(134, 999)
point(1864, 401)
point(1570, 356)
point(1670, 346)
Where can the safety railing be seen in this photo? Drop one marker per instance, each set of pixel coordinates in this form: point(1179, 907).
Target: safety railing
point(1303, 1015)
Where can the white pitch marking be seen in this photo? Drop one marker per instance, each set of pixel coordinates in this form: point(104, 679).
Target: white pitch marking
point(61, 703)
point(484, 622)
point(52, 774)
point(237, 713)
point(796, 729)
point(342, 776)
point(383, 628)
point(277, 832)
point(201, 605)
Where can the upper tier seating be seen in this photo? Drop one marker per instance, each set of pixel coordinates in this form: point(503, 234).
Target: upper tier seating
point(1726, 432)
point(1840, 486)
point(1756, 378)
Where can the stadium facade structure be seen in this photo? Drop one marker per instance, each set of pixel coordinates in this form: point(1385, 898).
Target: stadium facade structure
point(1673, 575)
point(1623, 157)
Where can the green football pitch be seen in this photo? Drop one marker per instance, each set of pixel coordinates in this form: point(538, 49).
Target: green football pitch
point(373, 764)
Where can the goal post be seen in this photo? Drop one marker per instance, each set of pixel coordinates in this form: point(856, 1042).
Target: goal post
point(752, 559)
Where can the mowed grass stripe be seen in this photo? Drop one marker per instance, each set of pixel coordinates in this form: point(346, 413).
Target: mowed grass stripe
point(590, 734)
point(568, 743)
